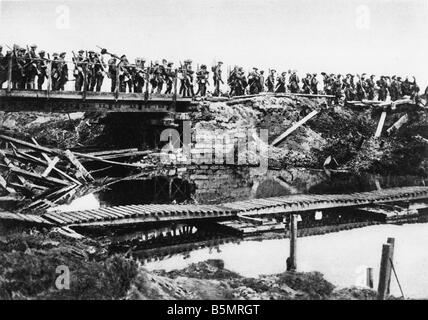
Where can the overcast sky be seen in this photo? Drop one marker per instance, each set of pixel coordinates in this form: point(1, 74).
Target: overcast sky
point(340, 36)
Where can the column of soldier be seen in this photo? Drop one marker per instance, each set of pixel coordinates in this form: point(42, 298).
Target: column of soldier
point(90, 69)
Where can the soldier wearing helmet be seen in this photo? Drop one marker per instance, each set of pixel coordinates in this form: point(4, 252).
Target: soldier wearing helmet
point(170, 74)
point(42, 66)
point(202, 79)
point(139, 75)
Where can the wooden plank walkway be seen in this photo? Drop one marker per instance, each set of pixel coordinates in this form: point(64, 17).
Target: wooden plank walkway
point(152, 213)
point(132, 214)
point(311, 202)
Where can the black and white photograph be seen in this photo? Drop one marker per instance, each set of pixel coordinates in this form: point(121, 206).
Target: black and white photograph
point(194, 150)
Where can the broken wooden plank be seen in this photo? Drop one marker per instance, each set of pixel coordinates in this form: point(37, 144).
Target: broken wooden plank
point(38, 177)
point(50, 167)
point(380, 124)
point(398, 124)
point(279, 139)
point(60, 172)
point(129, 165)
point(111, 152)
point(251, 220)
point(85, 174)
point(30, 145)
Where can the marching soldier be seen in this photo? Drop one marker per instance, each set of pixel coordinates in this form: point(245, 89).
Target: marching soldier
point(348, 86)
point(156, 75)
point(307, 84)
point(78, 72)
point(97, 73)
point(294, 82)
point(186, 83)
point(31, 70)
point(327, 80)
point(202, 79)
point(169, 77)
point(63, 72)
point(139, 75)
point(112, 73)
point(217, 77)
point(189, 79)
point(42, 66)
point(281, 83)
point(314, 84)
point(383, 88)
point(360, 91)
point(18, 68)
point(337, 88)
point(90, 70)
point(241, 82)
point(124, 75)
point(270, 81)
point(262, 81)
point(55, 72)
point(254, 81)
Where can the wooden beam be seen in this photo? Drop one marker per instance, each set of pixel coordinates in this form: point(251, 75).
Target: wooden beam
point(251, 220)
point(38, 177)
point(85, 174)
point(380, 124)
point(385, 270)
point(279, 139)
point(50, 167)
point(398, 124)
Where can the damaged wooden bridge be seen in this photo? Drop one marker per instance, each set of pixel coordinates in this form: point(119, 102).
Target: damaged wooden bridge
point(248, 209)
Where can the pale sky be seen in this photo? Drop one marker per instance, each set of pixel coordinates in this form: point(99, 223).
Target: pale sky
point(340, 36)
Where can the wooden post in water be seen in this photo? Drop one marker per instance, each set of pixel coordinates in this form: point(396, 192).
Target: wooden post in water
point(385, 270)
point(390, 241)
point(369, 281)
point(292, 261)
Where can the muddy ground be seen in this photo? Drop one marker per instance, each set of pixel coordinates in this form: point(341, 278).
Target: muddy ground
point(28, 263)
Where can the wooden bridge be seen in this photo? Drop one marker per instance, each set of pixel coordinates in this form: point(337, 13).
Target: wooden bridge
point(74, 101)
point(142, 214)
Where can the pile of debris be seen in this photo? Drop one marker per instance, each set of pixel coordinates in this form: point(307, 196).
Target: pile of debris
point(48, 176)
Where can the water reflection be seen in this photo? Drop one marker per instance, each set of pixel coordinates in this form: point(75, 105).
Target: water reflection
point(342, 257)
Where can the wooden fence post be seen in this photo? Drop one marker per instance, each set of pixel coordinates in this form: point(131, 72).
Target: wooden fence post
point(390, 241)
point(292, 260)
point(385, 269)
point(369, 281)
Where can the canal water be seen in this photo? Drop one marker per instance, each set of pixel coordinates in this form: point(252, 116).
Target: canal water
point(342, 257)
